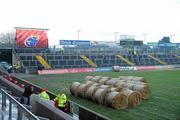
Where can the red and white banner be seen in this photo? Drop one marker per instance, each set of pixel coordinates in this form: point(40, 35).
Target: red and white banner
point(147, 67)
point(63, 71)
point(82, 70)
point(31, 38)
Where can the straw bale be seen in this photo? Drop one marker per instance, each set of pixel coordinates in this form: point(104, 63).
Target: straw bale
point(112, 81)
point(133, 78)
point(120, 84)
point(88, 78)
point(115, 68)
point(96, 78)
point(73, 88)
point(89, 82)
point(134, 97)
point(143, 89)
point(129, 86)
point(116, 100)
point(80, 90)
point(126, 77)
point(140, 79)
point(117, 89)
point(137, 82)
point(103, 80)
point(104, 86)
point(90, 91)
point(96, 84)
point(99, 95)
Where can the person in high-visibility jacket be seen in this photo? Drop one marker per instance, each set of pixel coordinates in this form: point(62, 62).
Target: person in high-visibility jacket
point(61, 100)
point(44, 95)
point(16, 66)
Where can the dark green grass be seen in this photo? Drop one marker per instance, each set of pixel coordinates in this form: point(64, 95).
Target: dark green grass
point(163, 104)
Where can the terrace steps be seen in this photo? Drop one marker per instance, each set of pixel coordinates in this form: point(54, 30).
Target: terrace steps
point(158, 60)
point(43, 62)
point(125, 59)
point(90, 62)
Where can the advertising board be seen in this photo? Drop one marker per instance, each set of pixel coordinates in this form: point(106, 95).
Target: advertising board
point(31, 38)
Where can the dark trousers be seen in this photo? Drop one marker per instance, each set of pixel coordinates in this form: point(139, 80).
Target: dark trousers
point(25, 100)
point(61, 108)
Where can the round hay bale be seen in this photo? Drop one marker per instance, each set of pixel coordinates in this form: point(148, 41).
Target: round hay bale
point(99, 95)
point(126, 77)
point(73, 88)
point(126, 85)
point(129, 86)
point(90, 91)
point(112, 81)
point(87, 85)
point(116, 100)
point(117, 89)
point(137, 82)
point(88, 78)
point(80, 90)
point(140, 79)
point(103, 80)
point(130, 77)
point(120, 84)
point(117, 79)
point(133, 78)
point(104, 86)
point(134, 97)
point(89, 82)
point(115, 68)
point(95, 84)
point(143, 89)
point(121, 80)
point(96, 78)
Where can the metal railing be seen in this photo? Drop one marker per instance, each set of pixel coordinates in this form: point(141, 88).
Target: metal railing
point(22, 112)
point(75, 108)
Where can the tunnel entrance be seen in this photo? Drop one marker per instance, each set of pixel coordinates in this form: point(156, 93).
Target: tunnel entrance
point(6, 55)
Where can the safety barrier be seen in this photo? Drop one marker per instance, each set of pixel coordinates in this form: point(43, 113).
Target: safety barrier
point(22, 112)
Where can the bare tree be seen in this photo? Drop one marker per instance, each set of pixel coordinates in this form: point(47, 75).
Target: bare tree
point(7, 39)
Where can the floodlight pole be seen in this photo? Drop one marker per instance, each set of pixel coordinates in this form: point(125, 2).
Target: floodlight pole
point(78, 31)
point(144, 37)
point(115, 35)
point(171, 38)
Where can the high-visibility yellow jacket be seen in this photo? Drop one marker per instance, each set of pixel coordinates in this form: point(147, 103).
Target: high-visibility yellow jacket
point(16, 66)
point(44, 95)
point(62, 99)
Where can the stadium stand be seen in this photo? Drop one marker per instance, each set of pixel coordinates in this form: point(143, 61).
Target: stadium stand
point(95, 57)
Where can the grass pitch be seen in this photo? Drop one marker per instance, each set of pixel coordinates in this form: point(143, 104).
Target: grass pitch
point(163, 104)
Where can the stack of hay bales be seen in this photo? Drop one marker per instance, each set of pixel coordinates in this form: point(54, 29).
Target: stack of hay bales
point(134, 83)
point(118, 93)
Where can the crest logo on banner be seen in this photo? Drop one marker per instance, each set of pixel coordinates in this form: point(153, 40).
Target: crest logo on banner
point(31, 41)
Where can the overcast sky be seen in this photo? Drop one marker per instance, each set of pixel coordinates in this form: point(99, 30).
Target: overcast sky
point(97, 19)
